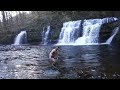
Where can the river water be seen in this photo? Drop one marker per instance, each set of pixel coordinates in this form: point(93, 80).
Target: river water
point(74, 62)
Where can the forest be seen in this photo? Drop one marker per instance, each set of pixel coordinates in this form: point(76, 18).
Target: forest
point(34, 21)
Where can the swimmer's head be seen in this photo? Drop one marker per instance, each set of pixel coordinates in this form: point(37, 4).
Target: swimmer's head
point(57, 47)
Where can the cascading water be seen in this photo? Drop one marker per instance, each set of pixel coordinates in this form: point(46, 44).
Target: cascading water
point(90, 31)
point(113, 34)
point(45, 40)
point(68, 32)
point(43, 35)
point(21, 38)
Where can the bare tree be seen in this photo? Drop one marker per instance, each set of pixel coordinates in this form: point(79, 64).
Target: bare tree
point(4, 20)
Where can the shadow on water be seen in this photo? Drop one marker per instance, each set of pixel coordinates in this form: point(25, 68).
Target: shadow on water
point(110, 60)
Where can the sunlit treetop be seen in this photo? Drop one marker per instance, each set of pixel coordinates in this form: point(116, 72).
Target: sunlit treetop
point(12, 13)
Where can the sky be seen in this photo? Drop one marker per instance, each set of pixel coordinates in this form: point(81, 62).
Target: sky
point(13, 13)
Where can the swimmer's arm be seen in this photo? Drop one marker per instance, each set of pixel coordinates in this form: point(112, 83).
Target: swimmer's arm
point(50, 55)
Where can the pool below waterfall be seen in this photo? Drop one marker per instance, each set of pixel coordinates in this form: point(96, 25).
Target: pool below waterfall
point(81, 62)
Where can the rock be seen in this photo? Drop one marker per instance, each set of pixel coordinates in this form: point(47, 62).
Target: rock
point(71, 76)
point(51, 73)
point(93, 70)
point(28, 48)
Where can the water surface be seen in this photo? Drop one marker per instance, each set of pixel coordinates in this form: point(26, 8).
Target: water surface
point(80, 62)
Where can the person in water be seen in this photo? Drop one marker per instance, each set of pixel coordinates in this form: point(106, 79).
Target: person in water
point(53, 56)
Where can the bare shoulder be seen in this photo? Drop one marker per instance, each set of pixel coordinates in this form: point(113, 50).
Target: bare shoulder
point(53, 50)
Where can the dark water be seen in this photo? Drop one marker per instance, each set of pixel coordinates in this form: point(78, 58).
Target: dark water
point(74, 62)
point(98, 61)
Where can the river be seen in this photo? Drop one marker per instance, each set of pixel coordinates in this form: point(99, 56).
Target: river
point(74, 62)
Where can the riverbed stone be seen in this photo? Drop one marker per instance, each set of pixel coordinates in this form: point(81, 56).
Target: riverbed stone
point(51, 73)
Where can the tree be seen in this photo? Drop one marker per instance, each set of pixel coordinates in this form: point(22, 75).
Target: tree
point(4, 20)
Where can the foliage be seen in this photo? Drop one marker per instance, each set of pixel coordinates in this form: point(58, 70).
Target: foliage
point(34, 22)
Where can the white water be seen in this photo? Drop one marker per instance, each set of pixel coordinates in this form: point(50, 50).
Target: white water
point(43, 35)
point(67, 34)
point(46, 35)
point(90, 33)
point(19, 38)
point(113, 34)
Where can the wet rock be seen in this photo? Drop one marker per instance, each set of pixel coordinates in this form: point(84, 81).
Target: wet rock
point(28, 48)
point(51, 73)
point(6, 58)
point(30, 64)
point(15, 57)
point(18, 66)
point(70, 76)
point(35, 57)
point(93, 70)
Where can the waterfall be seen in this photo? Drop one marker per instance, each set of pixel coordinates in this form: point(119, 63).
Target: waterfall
point(46, 34)
point(90, 31)
point(68, 32)
point(43, 35)
point(21, 38)
point(112, 36)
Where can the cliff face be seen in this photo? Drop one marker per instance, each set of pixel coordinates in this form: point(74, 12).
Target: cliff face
point(107, 29)
point(56, 19)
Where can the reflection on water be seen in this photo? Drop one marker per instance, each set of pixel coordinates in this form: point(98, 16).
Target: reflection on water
point(105, 57)
point(82, 56)
point(110, 59)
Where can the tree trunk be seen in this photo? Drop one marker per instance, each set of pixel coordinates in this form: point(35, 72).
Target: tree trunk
point(4, 20)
